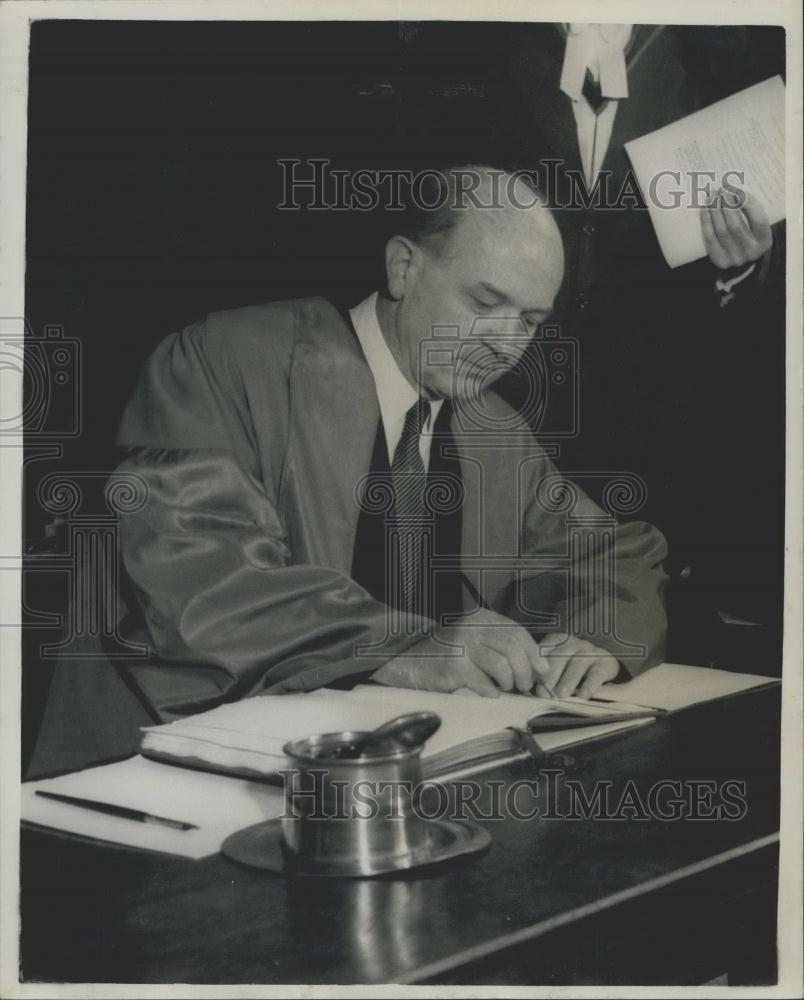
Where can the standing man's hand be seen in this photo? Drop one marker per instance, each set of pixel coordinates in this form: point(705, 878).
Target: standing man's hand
point(495, 654)
point(736, 230)
point(576, 666)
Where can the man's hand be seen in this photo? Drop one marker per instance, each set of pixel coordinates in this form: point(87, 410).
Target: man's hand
point(736, 230)
point(576, 666)
point(495, 655)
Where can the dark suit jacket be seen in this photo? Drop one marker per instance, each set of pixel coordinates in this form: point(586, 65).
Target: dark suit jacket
point(252, 432)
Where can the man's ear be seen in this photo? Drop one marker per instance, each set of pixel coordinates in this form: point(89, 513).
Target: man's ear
point(399, 253)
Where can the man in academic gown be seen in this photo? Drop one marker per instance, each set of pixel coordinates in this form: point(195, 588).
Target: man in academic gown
point(268, 441)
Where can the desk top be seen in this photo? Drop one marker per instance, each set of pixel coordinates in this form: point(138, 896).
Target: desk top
point(94, 912)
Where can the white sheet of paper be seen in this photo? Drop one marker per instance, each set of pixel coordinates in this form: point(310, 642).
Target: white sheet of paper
point(743, 132)
point(218, 805)
point(673, 686)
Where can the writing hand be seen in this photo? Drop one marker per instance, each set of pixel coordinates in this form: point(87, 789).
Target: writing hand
point(495, 654)
point(576, 666)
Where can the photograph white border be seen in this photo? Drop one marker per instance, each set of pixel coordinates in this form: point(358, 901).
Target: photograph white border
point(15, 18)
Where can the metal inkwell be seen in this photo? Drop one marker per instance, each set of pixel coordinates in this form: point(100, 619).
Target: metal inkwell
point(353, 808)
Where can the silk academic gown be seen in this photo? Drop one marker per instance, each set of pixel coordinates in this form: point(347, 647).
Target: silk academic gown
point(251, 432)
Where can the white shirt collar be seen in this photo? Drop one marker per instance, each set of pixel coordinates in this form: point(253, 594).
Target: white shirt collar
point(394, 393)
point(600, 48)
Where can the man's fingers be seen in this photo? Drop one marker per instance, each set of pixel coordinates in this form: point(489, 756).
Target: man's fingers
point(557, 649)
point(558, 664)
point(737, 225)
point(575, 662)
point(746, 248)
point(722, 233)
point(520, 663)
point(573, 674)
point(735, 237)
point(706, 225)
point(713, 248)
point(539, 665)
point(492, 663)
point(598, 674)
point(758, 221)
point(735, 232)
point(507, 640)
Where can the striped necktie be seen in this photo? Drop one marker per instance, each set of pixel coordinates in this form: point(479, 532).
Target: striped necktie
point(409, 479)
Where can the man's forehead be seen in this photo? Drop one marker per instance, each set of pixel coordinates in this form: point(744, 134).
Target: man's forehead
point(494, 245)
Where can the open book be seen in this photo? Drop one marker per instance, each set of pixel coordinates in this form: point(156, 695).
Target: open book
point(741, 135)
point(246, 737)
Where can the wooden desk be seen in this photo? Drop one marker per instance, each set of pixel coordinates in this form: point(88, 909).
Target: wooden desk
point(554, 901)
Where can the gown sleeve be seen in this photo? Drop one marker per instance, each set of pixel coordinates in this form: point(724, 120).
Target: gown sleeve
point(227, 612)
point(608, 587)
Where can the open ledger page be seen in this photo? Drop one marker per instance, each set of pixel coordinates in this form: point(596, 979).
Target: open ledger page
point(739, 139)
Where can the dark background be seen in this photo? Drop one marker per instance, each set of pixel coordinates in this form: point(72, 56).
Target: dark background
point(153, 179)
point(152, 190)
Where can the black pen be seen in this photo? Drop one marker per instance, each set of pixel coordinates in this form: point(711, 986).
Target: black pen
point(479, 598)
point(122, 811)
point(541, 723)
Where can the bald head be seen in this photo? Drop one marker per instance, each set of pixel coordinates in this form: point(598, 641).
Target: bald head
point(482, 196)
point(488, 263)
point(505, 220)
